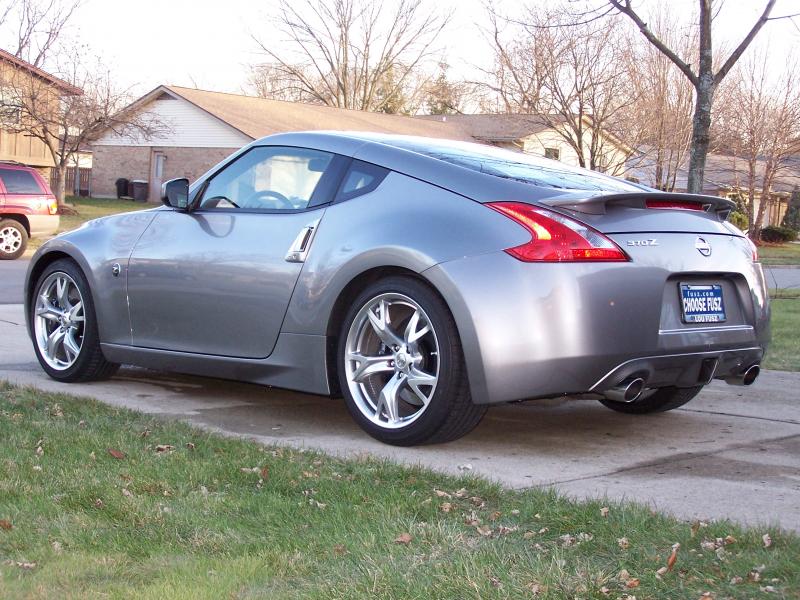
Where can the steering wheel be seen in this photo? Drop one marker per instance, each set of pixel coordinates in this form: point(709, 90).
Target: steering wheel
point(262, 195)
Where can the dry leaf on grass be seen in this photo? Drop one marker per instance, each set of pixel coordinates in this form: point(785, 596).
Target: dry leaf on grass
point(441, 493)
point(446, 507)
point(484, 530)
point(604, 511)
point(403, 538)
point(164, 448)
point(623, 543)
point(6, 524)
point(339, 549)
point(190, 445)
point(127, 493)
point(265, 473)
point(98, 503)
point(767, 540)
point(632, 583)
point(116, 453)
point(673, 558)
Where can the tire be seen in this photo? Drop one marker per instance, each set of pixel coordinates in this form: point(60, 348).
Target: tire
point(13, 239)
point(662, 400)
point(62, 317)
point(403, 372)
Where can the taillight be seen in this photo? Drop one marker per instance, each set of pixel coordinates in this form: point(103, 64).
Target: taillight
point(753, 248)
point(556, 238)
point(52, 206)
point(676, 205)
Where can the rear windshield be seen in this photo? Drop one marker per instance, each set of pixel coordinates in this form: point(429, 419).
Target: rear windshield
point(17, 181)
point(519, 166)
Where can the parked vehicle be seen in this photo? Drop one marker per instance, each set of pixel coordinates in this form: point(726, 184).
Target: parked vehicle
point(27, 208)
point(422, 279)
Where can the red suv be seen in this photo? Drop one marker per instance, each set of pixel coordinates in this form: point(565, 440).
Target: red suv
point(27, 208)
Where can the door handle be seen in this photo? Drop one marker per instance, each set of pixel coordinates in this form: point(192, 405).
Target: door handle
point(302, 243)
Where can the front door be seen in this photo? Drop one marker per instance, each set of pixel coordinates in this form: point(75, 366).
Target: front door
point(157, 162)
point(217, 280)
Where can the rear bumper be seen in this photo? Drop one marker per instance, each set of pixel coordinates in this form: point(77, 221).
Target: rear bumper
point(540, 330)
point(43, 225)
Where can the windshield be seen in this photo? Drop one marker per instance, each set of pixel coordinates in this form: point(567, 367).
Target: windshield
point(519, 166)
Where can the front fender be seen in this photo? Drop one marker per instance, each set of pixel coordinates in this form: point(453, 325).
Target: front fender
point(96, 247)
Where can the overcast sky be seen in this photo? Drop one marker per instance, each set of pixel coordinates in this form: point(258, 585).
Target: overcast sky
point(208, 43)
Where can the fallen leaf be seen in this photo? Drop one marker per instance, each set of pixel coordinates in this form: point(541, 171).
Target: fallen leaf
point(496, 582)
point(6, 524)
point(127, 493)
point(441, 493)
point(623, 575)
point(81, 424)
point(98, 503)
point(56, 547)
point(190, 445)
point(495, 515)
point(632, 583)
point(26, 565)
point(673, 557)
point(503, 530)
point(461, 493)
point(536, 588)
point(767, 540)
point(446, 507)
point(661, 571)
point(145, 433)
point(484, 530)
point(729, 539)
point(624, 543)
point(604, 511)
point(528, 535)
point(403, 538)
point(116, 453)
point(37, 467)
point(265, 472)
point(339, 549)
point(165, 448)
point(736, 580)
point(39, 451)
point(769, 589)
point(515, 512)
point(605, 591)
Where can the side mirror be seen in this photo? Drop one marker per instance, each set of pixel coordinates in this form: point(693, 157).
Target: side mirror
point(175, 193)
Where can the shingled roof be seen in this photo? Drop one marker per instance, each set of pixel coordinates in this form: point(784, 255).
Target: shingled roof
point(22, 65)
point(257, 117)
point(494, 127)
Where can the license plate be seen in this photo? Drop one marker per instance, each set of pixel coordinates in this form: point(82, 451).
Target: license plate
point(702, 303)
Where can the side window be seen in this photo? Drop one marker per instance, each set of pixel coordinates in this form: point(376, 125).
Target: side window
point(268, 178)
point(361, 178)
point(18, 181)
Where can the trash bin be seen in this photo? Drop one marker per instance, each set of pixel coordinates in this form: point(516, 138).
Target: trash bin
point(140, 190)
point(122, 187)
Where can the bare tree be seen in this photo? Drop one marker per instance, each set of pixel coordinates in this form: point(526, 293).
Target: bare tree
point(572, 78)
point(65, 117)
point(33, 27)
point(760, 123)
point(444, 96)
point(705, 78)
point(270, 80)
point(357, 54)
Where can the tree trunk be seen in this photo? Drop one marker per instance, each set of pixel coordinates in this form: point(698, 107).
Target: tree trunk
point(701, 125)
point(60, 189)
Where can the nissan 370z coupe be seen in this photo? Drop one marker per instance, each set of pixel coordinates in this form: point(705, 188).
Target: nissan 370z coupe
point(421, 279)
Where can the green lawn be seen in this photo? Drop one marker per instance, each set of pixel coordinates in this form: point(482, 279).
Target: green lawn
point(88, 209)
point(784, 351)
point(785, 254)
point(102, 502)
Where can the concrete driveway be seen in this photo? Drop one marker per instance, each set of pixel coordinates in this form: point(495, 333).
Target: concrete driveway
point(731, 453)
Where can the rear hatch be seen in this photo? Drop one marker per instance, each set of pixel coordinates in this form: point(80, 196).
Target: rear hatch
point(687, 258)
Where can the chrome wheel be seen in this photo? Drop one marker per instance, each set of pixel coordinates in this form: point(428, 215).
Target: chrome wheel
point(10, 240)
point(392, 360)
point(59, 321)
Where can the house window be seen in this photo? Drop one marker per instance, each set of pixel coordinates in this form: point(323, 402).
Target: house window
point(552, 153)
point(10, 110)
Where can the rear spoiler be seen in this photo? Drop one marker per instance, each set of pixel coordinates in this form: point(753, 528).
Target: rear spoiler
point(597, 205)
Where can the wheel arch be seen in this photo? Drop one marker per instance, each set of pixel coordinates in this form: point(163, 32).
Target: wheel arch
point(39, 264)
point(345, 298)
point(21, 219)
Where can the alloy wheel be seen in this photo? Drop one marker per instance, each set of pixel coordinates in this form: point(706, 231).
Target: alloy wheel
point(392, 360)
point(10, 240)
point(59, 321)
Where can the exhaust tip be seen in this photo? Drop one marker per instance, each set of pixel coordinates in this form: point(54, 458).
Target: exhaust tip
point(746, 377)
point(627, 391)
point(751, 374)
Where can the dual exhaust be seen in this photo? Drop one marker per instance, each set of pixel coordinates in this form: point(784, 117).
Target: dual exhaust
point(630, 390)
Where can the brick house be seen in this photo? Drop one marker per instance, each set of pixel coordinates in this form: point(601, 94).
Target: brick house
point(199, 128)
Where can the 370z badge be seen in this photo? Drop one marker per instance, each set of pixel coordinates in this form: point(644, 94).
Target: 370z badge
point(650, 242)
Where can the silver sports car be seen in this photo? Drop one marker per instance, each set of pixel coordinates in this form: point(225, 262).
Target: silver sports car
point(421, 279)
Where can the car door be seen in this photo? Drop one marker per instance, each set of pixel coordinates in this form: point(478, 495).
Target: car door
point(218, 279)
